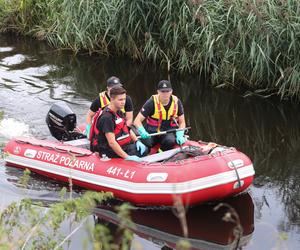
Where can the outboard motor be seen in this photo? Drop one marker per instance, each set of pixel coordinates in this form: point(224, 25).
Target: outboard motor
point(61, 122)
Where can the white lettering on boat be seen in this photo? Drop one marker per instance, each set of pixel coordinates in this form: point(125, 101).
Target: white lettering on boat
point(120, 172)
point(69, 161)
point(45, 156)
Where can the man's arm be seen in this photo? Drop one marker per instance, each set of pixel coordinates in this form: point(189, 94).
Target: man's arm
point(115, 146)
point(129, 118)
point(92, 111)
point(181, 118)
point(146, 111)
point(138, 121)
point(181, 121)
point(133, 136)
point(89, 116)
point(129, 111)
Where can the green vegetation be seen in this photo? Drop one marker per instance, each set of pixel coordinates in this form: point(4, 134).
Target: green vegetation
point(33, 224)
point(28, 224)
point(248, 43)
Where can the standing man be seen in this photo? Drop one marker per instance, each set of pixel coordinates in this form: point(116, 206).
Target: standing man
point(104, 99)
point(110, 134)
point(162, 112)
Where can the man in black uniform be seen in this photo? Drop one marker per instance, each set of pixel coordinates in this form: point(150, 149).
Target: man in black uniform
point(111, 134)
point(162, 112)
point(103, 100)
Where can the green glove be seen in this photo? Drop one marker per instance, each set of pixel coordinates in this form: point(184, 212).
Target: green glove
point(133, 158)
point(143, 133)
point(87, 130)
point(180, 137)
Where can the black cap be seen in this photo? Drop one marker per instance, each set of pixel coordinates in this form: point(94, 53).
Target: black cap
point(113, 81)
point(164, 85)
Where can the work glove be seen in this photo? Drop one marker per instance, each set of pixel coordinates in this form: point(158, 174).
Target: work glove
point(143, 133)
point(180, 139)
point(133, 158)
point(87, 130)
point(140, 147)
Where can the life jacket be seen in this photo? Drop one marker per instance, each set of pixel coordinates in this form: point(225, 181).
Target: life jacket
point(104, 101)
point(94, 131)
point(162, 118)
point(121, 130)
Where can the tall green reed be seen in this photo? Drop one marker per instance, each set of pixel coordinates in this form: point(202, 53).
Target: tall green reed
point(244, 43)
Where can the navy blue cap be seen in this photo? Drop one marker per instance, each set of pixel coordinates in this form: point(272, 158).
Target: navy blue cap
point(113, 81)
point(164, 85)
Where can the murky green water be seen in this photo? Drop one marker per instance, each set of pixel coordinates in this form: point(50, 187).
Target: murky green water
point(34, 76)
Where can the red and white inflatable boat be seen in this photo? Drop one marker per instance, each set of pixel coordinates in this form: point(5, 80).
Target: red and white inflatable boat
point(217, 173)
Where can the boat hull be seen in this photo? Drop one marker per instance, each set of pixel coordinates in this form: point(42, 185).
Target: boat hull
point(191, 181)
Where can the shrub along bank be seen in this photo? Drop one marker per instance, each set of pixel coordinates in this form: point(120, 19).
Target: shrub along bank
point(248, 43)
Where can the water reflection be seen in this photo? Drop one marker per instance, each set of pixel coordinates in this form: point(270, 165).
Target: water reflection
point(207, 228)
point(267, 132)
point(37, 187)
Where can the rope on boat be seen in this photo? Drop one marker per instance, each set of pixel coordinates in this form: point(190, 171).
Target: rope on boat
point(193, 151)
point(237, 174)
point(234, 167)
point(60, 150)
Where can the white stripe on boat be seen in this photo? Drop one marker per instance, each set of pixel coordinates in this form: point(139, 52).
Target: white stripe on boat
point(132, 187)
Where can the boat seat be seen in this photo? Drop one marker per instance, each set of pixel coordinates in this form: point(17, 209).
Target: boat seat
point(161, 156)
point(79, 143)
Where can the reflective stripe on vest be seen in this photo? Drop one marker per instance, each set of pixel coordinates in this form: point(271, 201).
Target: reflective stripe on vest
point(121, 130)
point(104, 101)
point(160, 113)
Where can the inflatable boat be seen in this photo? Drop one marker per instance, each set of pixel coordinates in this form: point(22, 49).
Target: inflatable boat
point(194, 173)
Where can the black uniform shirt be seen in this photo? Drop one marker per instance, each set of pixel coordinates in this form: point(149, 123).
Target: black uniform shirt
point(106, 124)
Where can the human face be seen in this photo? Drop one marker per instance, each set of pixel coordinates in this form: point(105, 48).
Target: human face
point(164, 95)
point(119, 101)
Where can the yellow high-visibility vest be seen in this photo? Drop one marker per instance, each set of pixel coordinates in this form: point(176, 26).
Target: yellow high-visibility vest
point(160, 114)
point(104, 101)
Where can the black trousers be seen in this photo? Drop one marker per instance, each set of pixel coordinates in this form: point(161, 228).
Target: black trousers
point(130, 149)
point(166, 141)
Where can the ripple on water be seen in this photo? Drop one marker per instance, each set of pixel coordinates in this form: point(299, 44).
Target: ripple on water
point(6, 49)
point(13, 60)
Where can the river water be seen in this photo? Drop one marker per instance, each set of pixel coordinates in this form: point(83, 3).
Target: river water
point(33, 76)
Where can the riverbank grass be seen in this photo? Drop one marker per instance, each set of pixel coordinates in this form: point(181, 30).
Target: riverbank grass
point(237, 44)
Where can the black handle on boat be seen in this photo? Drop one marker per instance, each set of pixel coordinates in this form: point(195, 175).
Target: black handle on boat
point(167, 131)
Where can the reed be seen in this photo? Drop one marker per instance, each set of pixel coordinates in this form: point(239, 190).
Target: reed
point(244, 43)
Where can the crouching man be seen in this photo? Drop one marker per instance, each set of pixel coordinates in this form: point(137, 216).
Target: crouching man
point(163, 111)
point(110, 134)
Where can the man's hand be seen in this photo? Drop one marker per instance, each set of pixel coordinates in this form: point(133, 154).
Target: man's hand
point(87, 130)
point(133, 158)
point(143, 133)
point(180, 137)
point(140, 147)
